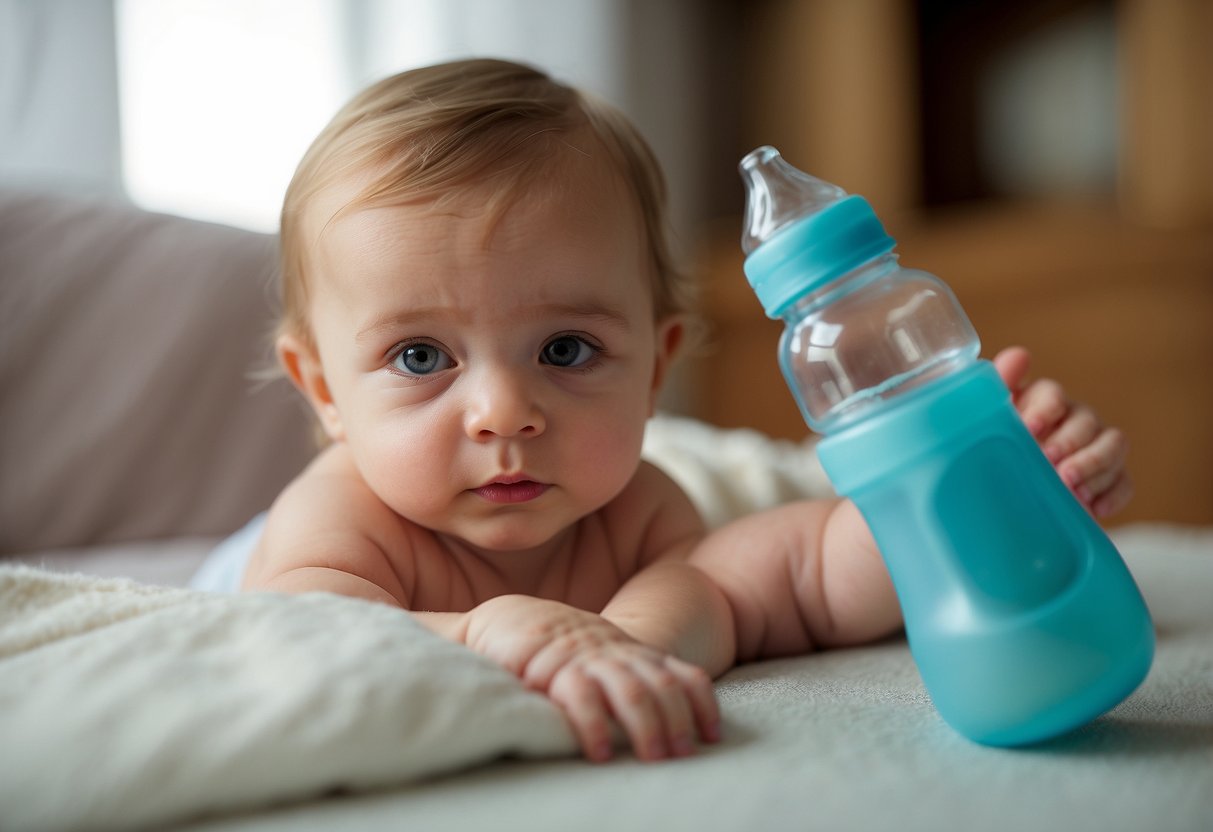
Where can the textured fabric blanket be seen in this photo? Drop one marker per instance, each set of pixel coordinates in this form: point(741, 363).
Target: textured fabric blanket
point(124, 705)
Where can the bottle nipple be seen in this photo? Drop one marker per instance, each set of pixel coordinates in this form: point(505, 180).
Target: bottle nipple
point(777, 194)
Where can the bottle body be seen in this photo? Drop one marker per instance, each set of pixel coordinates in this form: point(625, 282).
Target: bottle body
point(1022, 618)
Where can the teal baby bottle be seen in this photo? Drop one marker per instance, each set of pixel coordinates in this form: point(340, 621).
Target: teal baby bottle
point(1020, 614)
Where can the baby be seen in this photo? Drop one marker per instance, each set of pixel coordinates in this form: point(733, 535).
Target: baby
point(480, 306)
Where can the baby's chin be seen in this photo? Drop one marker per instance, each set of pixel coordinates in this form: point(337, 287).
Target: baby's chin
point(536, 526)
point(517, 535)
point(514, 535)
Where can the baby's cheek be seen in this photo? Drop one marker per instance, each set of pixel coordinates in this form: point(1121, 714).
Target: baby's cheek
point(608, 463)
point(401, 474)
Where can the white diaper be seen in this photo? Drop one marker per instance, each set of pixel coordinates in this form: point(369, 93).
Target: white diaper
point(224, 566)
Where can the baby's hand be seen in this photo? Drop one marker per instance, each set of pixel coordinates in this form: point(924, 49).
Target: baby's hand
point(1089, 456)
point(594, 671)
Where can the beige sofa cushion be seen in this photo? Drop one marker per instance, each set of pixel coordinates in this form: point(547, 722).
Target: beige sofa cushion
point(127, 410)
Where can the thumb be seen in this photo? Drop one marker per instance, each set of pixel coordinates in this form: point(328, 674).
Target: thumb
point(1012, 365)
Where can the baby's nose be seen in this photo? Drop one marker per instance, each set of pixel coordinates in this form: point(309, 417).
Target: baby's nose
point(504, 406)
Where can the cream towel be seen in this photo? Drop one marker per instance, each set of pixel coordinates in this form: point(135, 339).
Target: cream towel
point(124, 706)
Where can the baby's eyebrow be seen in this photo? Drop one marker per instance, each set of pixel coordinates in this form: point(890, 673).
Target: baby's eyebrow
point(405, 318)
point(592, 312)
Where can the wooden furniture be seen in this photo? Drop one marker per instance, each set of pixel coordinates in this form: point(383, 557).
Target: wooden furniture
point(1112, 292)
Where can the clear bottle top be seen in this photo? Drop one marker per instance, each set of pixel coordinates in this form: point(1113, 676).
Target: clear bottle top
point(778, 194)
point(800, 232)
point(861, 331)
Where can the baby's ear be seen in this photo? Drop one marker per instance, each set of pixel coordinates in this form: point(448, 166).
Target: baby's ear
point(302, 364)
point(669, 336)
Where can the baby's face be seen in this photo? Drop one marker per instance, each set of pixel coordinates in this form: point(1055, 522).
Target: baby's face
point(491, 375)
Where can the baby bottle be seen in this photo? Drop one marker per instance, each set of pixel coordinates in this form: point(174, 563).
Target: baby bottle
point(1020, 613)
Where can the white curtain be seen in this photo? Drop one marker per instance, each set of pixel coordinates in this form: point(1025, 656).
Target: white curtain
point(216, 100)
point(59, 95)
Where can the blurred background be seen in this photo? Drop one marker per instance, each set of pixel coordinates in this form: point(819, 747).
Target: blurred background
point(1050, 159)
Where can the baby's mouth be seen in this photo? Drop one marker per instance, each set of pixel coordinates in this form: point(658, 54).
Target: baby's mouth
point(511, 490)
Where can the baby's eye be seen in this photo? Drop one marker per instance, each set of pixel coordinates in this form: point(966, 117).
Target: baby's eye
point(421, 359)
point(567, 351)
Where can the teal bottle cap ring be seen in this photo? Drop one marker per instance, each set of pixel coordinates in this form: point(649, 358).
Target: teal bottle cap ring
point(814, 250)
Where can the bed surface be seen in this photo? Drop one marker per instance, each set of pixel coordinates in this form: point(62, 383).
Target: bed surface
point(839, 740)
point(849, 740)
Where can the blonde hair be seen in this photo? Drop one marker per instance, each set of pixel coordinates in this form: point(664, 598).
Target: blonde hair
point(424, 132)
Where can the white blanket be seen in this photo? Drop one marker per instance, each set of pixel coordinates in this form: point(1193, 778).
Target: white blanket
point(124, 705)
point(127, 706)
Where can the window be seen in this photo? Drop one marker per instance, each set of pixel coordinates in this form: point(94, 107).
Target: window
point(219, 101)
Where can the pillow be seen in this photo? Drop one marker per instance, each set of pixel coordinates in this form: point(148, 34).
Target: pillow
point(127, 410)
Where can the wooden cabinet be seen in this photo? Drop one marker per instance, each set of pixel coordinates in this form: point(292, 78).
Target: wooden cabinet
point(1112, 291)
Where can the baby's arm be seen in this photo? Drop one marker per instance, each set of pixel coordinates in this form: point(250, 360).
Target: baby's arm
point(640, 662)
point(595, 672)
point(800, 577)
point(684, 623)
point(646, 660)
point(666, 602)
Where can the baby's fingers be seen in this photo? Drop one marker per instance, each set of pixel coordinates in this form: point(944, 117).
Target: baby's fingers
point(639, 706)
point(1080, 428)
point(1042, 406)
point(685, 703)
point(1095, 469)
point(1012, 364)
point(702, 696)
point(1114, 499)
point(584, 705)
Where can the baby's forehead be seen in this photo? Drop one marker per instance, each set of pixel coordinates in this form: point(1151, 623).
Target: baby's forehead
point(575, 183)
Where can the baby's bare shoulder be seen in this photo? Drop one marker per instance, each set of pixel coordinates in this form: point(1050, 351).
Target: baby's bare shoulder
point(329, 518)
point(331, 493)
point(652, 516)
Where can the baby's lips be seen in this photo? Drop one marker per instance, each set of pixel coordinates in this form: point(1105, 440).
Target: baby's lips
point(520, 491)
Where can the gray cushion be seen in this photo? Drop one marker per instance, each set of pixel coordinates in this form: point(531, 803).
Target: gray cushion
point(127, 407)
